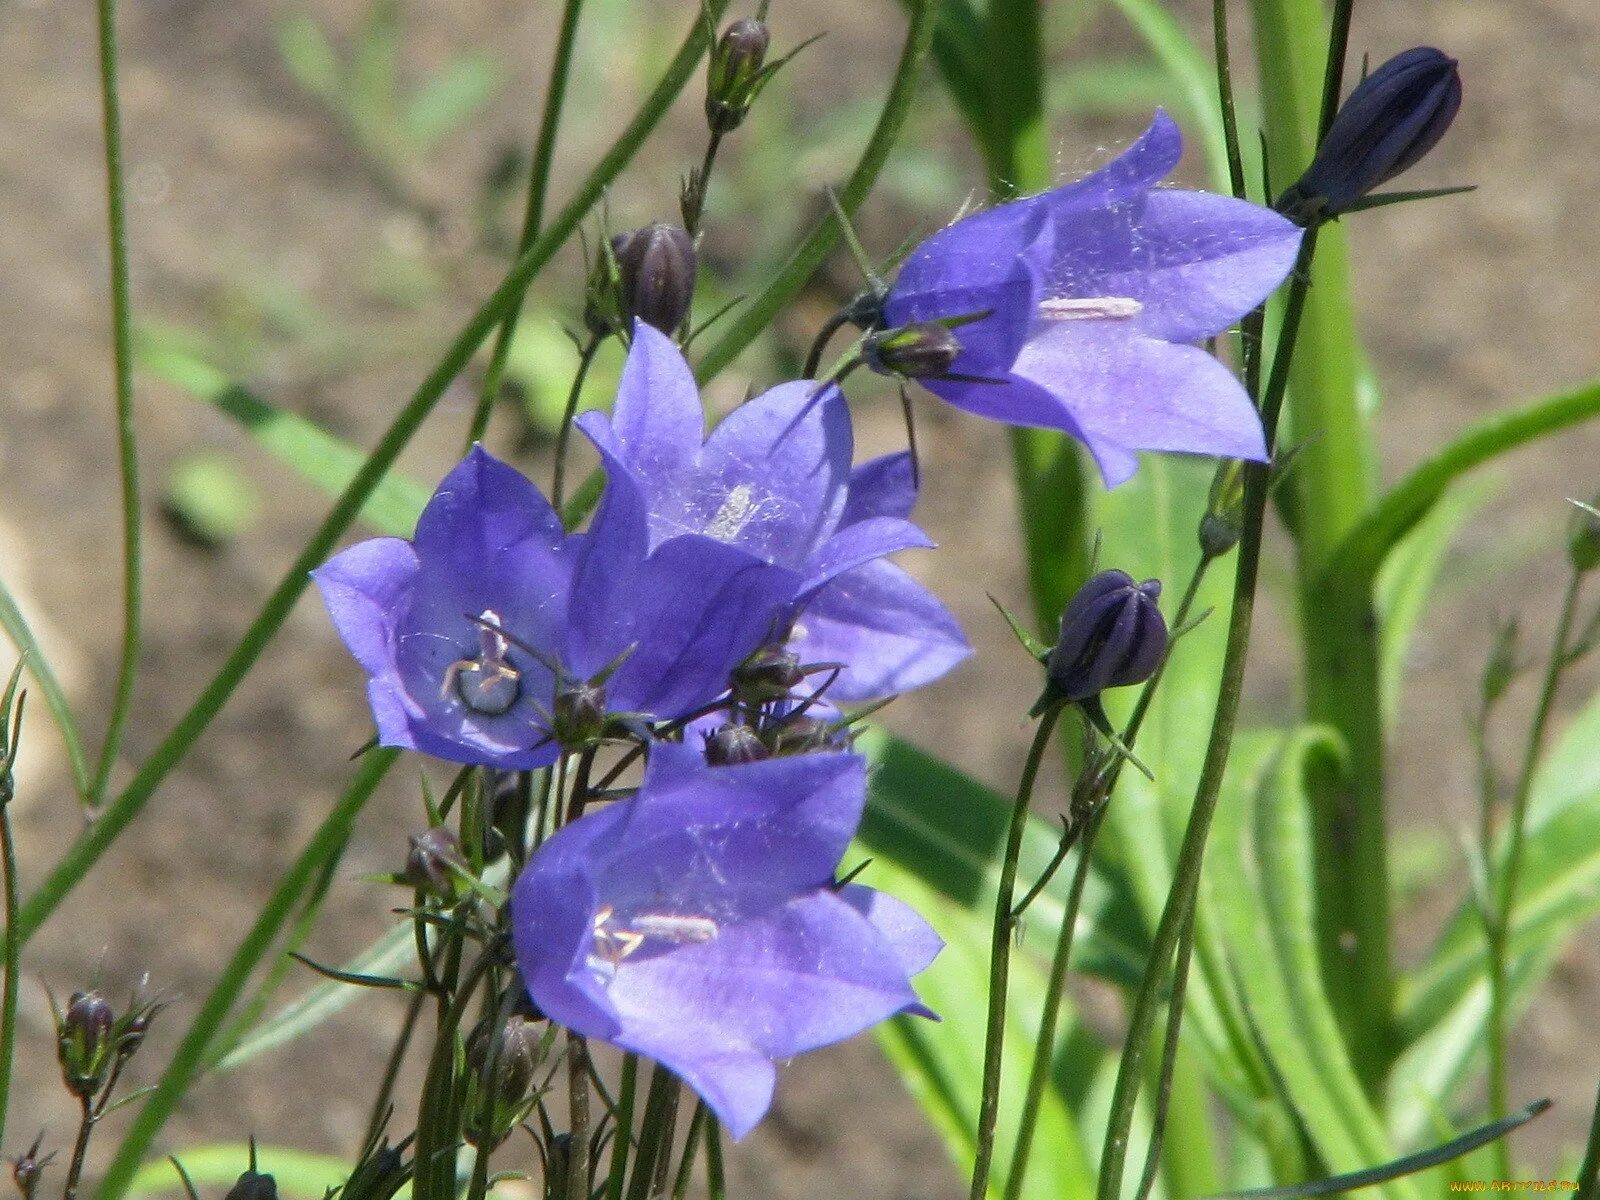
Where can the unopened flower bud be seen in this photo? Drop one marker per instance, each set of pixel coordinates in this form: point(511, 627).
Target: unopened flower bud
point(655, 274)
point(505, 1057)
point(26, 1169)
point(808, 735)
point(735, 74)
point(580, 714)
point(1224, 517)
point(254, 1185)
point(771, 673)
point(1112, 635)
point(733, 745)
point(84, 1042)
point(379, 1175)
point(1583, 537)
point(1392, 118)
point(925, 350)
point(434, 861)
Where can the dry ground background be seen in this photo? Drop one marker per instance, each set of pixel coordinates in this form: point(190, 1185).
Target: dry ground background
point(236, 176)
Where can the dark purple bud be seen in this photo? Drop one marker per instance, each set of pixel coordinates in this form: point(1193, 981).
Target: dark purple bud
point(84, 1042)
point(807, 735)
point(1583, 537)
point(735, 74)
point(382, 1172)
point(507, 1056)
point(434, 863)
point(925, 350)
point(655, 274)
point(1392, 118)
point(735, 744)
point(26, 1169)
point(580, 714)
point(254, 1185)
point(771, 673)
point(1112, 635)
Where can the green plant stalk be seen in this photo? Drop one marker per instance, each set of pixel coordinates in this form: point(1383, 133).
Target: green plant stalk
point(578, 1162)
point(1332, 492)
point(1181, 901)
point(809, 255)
point(325, 845)
point(716, 1183)
point(116, 815)
point(1498, 926)
point(13, 965)
point(1588, 1179)
point(127, 441)
point(691, 1149)
point(533, 212)
point(1166, 1068)
point(660, 1107)
point(622, 1141)
point(1000, 956)
point(558, 482)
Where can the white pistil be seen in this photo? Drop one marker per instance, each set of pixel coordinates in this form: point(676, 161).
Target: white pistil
point(614, 942)
point(735, 513)
point(1090, 308)
point(488, 684)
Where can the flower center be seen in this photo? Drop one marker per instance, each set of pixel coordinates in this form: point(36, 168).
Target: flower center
point(487, 684)
point(615, 940)
point(1090, 308)
point(735, 513)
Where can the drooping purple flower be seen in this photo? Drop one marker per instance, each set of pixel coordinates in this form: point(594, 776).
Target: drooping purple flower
point(1096, 295)
point(458, 629)
point(698, 923)
point(774, 479)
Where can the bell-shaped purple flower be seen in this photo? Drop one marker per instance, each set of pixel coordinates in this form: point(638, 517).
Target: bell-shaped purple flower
point(459, 628)
point(774, 480)
point(1112, 635)
point(698, 923)
point(1095, 295)
point(1392, 118)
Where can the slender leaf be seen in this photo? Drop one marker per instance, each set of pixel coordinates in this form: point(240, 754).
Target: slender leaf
point(55, 697)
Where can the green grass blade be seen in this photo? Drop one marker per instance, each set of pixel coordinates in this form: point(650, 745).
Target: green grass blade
point(55, 698)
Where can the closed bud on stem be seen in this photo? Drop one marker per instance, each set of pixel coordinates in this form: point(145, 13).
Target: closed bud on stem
point(1112, 635)
point(925, 350)
point(771, 673)
point(1223, 522)
point(580, 714)
point(808, 735)
point(655, 275)
point(382, 1171)
point(85, 1043)
point(1583, 537)
point(733, 745)
point(434, 862)
point(27, 1169)
point(254, 1185)
point(1386, 125)
point(735, 75)
point(503, 1060)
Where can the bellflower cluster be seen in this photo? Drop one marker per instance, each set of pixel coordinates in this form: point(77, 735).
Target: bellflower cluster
point(698, 923)
point(1090, 300)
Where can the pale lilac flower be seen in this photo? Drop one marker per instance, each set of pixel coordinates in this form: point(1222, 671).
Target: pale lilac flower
point(458, 629)
point(697, 923)
point(774, 479)
point(1096, 295)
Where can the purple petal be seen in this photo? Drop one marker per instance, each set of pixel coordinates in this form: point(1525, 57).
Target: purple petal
point(861, 543)
point(1127, 392)
point(890, 631)
point(362, 588)
point(482, 507)
point(657, 416)
point(814, 972)
point(1195, 262)
point(883, 487)
point(912, 937)
point(1151, 158)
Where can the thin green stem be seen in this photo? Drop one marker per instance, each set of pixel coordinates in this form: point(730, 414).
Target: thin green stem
point(659, 1105)
point(1588, 1180)
point(716, 1179)
point(327, 843)
point(1179, 909)
point(568, 415)
point(1510, 873)
point(533, 213)
point(127, 443)
point(391, 1071)
point(622, 1141)
point(1230, 119)
point(116, 815)
point(13, 964)
point(1169, 1060)
point(1000, 956)
point(1061, 960)
point(691, 1149)
point(578, 1165)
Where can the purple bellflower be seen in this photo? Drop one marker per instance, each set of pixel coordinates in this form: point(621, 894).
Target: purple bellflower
point(698, 923)
point(774, 480)
point(459, 628)
point(1096, 294)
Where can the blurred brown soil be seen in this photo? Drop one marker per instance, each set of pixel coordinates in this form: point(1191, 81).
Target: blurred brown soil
point(236, 178)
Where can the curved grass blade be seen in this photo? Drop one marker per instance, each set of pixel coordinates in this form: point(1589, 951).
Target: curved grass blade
point(55, 698)
point(1410, 1165)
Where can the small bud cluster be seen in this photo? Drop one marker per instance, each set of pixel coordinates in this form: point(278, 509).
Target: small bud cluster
point(94, 1042)
point(503, 1059)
